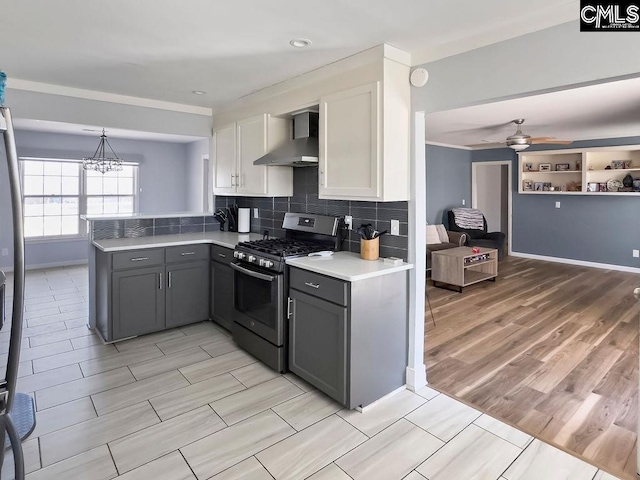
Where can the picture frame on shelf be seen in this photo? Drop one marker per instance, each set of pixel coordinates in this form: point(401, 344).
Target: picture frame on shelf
point(627, 164)
point(546, 186)
point(578, 165)
point(538, 186)
point(592, 187)
point(545, 167)
point(562, 167)
point(617, 164)
point(602, 187)
point(527, 185)
point(528, 167)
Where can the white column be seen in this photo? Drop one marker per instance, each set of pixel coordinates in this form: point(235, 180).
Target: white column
point(416, 373)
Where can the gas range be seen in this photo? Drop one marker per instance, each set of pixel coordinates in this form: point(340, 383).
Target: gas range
point(305, 234)
point(273, 252)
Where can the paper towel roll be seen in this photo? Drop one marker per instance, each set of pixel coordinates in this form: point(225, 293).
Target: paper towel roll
point(244, 220)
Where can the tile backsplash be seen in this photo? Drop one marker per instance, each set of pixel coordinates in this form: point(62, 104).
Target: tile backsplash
point(305, 199)
point(146, 227)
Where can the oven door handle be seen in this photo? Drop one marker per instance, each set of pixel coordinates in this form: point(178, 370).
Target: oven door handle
point(251, 273)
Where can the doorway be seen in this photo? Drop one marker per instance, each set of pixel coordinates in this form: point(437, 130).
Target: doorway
point(491, 188)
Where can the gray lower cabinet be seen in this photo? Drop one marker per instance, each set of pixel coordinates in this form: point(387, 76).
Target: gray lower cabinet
point(187, 294)
point(318, 343)
point(142, 291)
point(137, 301)
point(349, 339)
point(222, 293)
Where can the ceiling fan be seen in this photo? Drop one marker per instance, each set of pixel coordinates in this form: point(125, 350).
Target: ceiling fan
point(520, 141)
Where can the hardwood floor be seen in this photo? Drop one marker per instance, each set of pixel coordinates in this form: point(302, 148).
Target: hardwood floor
point(549, 348)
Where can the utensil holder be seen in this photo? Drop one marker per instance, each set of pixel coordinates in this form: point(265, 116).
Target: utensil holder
point(370, 249)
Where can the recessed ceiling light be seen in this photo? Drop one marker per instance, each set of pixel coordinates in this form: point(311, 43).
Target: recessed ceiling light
point(199, 92)
point(300, 42)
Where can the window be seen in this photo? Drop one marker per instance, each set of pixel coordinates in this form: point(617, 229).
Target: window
point(57, 192)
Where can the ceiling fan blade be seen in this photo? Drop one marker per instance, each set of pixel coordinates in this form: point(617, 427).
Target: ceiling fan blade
point(550, 141)
point(487, 145)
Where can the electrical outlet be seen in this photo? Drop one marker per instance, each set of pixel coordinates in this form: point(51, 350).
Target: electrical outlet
point(636, 253)
point(464, 202)
point(395, 227)
point(557, 204)
point(5, 252)
point(255, 213)
point(348, 221)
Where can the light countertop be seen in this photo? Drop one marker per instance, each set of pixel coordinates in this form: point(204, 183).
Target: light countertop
point(127, 216)
point(347, 266)
point(224, 239)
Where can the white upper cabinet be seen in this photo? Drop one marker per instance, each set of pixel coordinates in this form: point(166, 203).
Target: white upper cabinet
point(364, 140)
point(350, 146)
point(237, 146)
point(223, 151)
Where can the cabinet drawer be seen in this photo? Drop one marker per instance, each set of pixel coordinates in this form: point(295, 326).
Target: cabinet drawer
point(185, 253)
point(221, 254)
point(138, 258)
point(320, 286)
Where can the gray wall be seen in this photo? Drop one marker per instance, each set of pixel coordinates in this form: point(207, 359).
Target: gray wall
point(602, 229)
point(195, 193)
point(448, 180)
point(164, 181)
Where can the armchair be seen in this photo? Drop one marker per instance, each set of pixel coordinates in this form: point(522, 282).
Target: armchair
point(467, 220)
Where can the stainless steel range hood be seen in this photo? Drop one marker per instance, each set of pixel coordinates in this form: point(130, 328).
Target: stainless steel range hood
point(302, 151)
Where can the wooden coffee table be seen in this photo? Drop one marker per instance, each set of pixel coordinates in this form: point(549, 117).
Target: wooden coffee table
point(460, 267)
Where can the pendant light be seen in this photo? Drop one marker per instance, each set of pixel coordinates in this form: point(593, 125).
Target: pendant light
point(100, 161)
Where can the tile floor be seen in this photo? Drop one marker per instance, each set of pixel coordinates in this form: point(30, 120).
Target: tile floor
point(187, 404)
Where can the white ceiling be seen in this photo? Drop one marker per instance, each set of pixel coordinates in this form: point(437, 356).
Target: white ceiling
point(164, 49)
point(95, 131)
point(606, 110)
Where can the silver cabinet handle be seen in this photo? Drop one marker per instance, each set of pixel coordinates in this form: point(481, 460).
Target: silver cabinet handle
point(139, 259)
point(184, 254)
point(321, 176)
point(232, 184)
point(312, 285)
point(289, 305)
point(160, 281)
point(169, 275)
point(222, 255)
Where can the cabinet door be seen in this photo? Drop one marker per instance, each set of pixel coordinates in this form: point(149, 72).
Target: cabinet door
point(137, 301)
point(187, 293)
point(318, 344)
point(350, 147)
point(222, 294)
point(223, 149)
point(252, 144)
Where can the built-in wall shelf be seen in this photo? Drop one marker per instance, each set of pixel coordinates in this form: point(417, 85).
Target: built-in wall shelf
point(580, 171)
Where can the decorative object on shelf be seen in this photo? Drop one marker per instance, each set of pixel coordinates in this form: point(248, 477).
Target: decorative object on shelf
point(562, 167)
point(528, 167)
point(578, 165)
point(546, 186)
point(627, 164)
point(538, 186)
point(592, 187)
point(636, 184)
point(590, 167)
point(100, 161)
point(563, 188)
point(602, 187)
point(545, 167)
point(527, 185)
point(627, 181)
point(574, 187)
point(617, 164)
point(614, 185)
point(608, 167)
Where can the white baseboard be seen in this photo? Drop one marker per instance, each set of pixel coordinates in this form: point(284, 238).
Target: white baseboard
point(71, 263)
point(373, 404)
point(416, 379)
point(581, 263)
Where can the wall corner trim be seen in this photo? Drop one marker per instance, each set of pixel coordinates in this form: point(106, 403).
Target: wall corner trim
point(581, 263)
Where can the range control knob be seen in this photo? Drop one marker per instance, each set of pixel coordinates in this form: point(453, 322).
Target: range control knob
point(240, 255)
point(251, 258)
point(236, 254)
point(268, 264)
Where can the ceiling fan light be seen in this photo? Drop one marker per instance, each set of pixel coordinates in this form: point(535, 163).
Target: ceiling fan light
point(519, 146)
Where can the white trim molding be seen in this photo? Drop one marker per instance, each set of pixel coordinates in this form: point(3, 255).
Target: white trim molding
point(579, 263)
point(448, 145)
point(17, 84)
